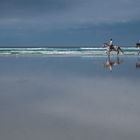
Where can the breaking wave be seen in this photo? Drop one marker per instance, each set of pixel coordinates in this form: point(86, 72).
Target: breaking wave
point(72, 51)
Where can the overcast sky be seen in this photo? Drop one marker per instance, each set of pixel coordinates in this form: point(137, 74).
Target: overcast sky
point(69, 22)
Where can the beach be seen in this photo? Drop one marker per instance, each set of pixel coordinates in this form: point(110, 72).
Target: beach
point(69, 97)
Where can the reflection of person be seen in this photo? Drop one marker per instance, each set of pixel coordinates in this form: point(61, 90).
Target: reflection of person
point(110, 63)
point(138, 63)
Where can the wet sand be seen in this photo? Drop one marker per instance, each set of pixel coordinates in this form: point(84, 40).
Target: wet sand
point(69, 98)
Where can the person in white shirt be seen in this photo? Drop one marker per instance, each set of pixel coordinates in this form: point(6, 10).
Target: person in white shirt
point(111, 44)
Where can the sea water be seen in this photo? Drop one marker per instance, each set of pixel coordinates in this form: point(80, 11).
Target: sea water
point(80, 51)
point(69, 98)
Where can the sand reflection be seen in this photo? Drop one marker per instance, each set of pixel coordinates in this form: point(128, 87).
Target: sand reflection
point(138, 62)
point(68, 99)
point(111, 62)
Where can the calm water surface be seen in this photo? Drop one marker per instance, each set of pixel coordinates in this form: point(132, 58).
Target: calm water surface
point(69, 98)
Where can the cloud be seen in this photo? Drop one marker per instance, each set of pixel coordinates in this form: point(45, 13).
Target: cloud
point(68, 13)
point(31, 8)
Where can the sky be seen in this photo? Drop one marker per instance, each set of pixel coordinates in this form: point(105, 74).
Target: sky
point(69, 22)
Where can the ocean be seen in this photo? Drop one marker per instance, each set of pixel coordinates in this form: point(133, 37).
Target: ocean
point(81, 51)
